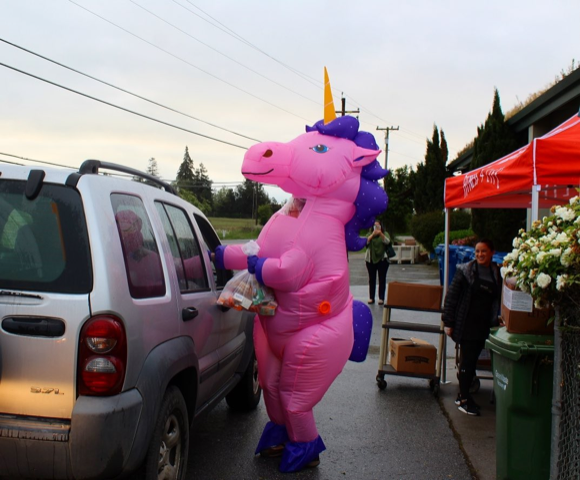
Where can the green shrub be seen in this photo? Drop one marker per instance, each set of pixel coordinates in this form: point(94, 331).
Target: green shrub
point(425, 228)
point(264, 213)
point(466, 237)
point(460, 220)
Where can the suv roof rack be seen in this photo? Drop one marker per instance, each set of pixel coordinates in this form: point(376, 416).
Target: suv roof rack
point(93, 166)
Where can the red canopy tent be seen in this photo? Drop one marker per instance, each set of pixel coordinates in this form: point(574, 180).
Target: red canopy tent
point(543, 173)
point(549, 165)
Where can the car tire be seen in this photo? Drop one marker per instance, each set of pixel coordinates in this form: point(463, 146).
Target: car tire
point(247, 393)
point(167, 455)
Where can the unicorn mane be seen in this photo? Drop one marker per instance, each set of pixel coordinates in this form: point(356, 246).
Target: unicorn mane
point(371, 199)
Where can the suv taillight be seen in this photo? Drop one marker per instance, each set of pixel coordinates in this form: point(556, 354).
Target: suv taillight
point(102, 356)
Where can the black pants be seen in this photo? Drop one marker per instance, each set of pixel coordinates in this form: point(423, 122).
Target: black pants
point(470, 351)
point(380, 268)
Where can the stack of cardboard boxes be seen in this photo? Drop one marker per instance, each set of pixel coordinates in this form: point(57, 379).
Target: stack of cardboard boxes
point(413, 355)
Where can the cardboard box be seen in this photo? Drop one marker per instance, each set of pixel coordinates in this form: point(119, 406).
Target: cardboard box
point(519, 314)
point(534, 322)
point(414, 295)
point(413, 356)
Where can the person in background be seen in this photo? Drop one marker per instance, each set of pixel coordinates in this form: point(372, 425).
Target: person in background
point(377, 261)
point(470, 309)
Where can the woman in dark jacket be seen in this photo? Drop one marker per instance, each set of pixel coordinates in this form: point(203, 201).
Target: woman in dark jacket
point(470, 309)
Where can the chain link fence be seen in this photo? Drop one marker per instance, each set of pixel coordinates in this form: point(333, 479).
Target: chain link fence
point(568, 439)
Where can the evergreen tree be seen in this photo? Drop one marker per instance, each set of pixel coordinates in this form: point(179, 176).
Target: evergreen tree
point(224, 203)
point(249, 196)
point(202, 185)
point(400, 207)
point(494, 140)
point(428, 182)
point(152, 169)
point(185, 178)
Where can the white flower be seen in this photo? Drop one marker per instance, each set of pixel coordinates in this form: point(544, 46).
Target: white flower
point(513, 255)
point(561, 281)
point(540, 257)
point(556, 252)
point(535, 249)
point(544, 280)
point(574, 200)
point(517, 242)
point(565, 213)
point(562, 238)
point(505, 271)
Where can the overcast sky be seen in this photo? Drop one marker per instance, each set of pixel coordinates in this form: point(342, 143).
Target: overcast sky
point(254, 68)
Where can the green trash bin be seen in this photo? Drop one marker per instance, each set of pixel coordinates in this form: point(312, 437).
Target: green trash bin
point(523, 369)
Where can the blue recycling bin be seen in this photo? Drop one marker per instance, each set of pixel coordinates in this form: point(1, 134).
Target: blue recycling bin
point(465, 254)
point(498, 257)
point(440, 252)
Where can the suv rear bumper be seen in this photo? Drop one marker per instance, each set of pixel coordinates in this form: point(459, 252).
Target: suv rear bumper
point(95, 444)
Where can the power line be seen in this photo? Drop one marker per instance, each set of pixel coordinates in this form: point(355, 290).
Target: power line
point(125, 91)
point(221, 53)
point(186, 62)
point(230, 32)
point(214, 184)
point(123, 108)
point(30, 160)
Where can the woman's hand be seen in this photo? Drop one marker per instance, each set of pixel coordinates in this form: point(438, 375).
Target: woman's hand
point(448, 331)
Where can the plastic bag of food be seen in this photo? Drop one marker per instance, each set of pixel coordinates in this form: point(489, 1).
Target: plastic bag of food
point(243, 291)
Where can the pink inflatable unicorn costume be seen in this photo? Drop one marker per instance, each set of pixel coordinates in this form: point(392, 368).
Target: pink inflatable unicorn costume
point(333, 170)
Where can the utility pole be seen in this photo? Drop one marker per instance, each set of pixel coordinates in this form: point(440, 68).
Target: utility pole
point(343, 111)
point(387, 130)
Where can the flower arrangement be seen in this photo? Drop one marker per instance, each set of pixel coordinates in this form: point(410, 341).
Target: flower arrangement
point(469, 241)
point(545, 261)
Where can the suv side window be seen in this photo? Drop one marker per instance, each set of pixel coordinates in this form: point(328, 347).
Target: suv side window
point(185, 249)
point(221, 277)
point(142, 261)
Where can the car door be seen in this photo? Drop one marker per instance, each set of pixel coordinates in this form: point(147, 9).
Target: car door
point(200, 317)
point(233, 328)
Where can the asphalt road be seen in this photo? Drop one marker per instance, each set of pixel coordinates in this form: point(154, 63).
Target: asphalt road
point(399, 433)
point(370, 434)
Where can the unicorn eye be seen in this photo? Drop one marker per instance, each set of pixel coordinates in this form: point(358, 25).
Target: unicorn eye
point(320, 148)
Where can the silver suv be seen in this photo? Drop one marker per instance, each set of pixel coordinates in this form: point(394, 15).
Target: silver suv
point(111, 340)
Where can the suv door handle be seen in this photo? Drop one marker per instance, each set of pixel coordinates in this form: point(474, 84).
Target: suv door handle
point(189, 313)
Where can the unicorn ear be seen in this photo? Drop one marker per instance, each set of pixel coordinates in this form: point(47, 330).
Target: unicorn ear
point(364, 156)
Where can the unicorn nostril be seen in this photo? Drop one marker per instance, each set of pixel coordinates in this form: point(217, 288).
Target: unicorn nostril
point(268, 153)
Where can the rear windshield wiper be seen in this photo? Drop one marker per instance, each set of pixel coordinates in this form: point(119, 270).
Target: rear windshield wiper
point(18, 294)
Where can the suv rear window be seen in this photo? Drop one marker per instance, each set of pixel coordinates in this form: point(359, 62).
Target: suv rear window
point(43, 242)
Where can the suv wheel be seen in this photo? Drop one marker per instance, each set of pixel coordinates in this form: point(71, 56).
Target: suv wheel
point(167, 455)
point(246, 394)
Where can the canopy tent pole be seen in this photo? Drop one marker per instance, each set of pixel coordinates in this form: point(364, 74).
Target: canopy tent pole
point(446, 253)
point(443, 343)
point(535, 202)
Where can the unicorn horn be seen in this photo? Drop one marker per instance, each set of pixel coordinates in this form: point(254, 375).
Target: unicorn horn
point(329, 111)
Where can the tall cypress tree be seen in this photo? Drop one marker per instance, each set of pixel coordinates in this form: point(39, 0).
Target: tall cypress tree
point(429, 179)
point(494, 140)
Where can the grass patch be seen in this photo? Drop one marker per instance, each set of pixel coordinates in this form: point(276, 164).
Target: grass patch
point(235, 228)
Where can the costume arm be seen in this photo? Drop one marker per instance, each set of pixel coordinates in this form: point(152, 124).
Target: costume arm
point(288, 273)
point(231, 257)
